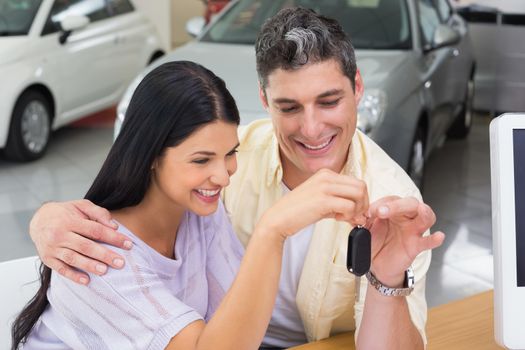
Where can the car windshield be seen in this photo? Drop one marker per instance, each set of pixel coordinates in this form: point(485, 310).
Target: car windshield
point(371, 24)
point(16, 16)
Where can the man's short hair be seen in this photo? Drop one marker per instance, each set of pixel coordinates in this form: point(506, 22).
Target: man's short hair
point(297, 36)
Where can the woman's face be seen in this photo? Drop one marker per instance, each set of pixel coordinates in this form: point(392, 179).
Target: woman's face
point(192, 174)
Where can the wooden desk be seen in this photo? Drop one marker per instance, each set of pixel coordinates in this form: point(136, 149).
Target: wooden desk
point(464, 324)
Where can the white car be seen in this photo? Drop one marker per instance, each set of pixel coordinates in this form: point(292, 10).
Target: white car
point(61, 60)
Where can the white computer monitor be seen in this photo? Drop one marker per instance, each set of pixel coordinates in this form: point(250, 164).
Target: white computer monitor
point(507, 162)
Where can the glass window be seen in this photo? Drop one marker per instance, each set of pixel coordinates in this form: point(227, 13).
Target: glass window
point(371, 24)
point(119, 7)
point(16, 17)
point(428, 20)
point(95, 10)
point(445, 11)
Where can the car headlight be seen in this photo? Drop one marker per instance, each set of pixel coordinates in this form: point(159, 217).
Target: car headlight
point(371, 110)
point(124, 103)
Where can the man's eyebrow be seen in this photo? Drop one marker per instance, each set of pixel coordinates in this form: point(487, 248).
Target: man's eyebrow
point(328, 93)
point(284, 100)
point(331, 93)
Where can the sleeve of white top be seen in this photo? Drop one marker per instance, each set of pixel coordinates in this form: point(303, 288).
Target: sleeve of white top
point(129, 308)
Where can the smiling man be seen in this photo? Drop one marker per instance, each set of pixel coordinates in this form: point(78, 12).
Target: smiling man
point(310, 86)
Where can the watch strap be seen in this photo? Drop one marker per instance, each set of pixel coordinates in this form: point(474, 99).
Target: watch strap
point(408, 285)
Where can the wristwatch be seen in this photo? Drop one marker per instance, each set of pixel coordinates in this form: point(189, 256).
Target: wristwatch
point(408, 285)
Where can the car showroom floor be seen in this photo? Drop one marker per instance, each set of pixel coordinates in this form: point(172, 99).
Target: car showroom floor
point(457, 187)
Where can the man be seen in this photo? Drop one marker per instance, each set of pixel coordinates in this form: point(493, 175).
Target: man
point(310, 86)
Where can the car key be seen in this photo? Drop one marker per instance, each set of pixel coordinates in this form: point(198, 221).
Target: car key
point(359, 253)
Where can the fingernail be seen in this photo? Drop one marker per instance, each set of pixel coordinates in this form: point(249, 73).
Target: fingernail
point(101, 268)
point(128, 244)
point(113, 224)
point(383, 210)
point(83, 280)
point(118, 262)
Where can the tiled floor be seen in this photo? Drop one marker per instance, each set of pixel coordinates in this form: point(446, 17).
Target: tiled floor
point(457, 186)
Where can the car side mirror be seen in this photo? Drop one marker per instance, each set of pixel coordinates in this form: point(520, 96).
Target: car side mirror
point(195, 25)
point(444, 36)
point(70, 24)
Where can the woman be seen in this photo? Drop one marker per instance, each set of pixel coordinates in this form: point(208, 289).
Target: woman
point(184, 285)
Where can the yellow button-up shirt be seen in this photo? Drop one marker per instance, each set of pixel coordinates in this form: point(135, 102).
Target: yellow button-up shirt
point(326, 292)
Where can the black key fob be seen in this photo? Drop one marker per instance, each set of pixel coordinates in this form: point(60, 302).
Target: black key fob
point(359, 251)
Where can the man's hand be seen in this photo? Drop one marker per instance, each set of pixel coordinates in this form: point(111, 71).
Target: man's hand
point(64, 235)
point(397, 226)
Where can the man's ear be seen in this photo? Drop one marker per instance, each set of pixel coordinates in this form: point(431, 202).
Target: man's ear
point(359, 87)
point(262, 97)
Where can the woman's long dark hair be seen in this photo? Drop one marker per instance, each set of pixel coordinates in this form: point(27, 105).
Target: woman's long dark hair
point(173, 101)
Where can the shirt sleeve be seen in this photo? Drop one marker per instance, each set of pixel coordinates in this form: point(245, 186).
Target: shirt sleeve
point(129, 308)
point(224, 255)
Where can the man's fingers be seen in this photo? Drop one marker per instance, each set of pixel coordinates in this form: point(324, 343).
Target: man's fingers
point(96, 213)
point(391, 207)
point(68, 272)
point(97, 255)
point(101, 233)
point(432, 241)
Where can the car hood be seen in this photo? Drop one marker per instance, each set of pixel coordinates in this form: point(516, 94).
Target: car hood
point(377, 65)
point(12, 48)
point(236, 65)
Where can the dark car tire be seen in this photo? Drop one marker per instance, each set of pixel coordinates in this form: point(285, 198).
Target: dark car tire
point(460, 128)
point(416, 164)
point(30, 128)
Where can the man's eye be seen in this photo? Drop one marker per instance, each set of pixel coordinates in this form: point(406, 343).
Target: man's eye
point(330, 103)
point(201, 161)
point(288, 109)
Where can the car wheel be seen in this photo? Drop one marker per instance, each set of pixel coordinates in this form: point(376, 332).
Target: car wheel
point(460, 128)
point(30, 127)
point(416, 165)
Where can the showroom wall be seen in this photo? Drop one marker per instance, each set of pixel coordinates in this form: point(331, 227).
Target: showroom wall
point(170, 17)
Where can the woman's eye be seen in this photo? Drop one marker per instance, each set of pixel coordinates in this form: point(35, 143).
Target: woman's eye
point(231, 153)
point(201, 161)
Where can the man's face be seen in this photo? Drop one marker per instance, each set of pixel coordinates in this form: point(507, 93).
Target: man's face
point(314, 111)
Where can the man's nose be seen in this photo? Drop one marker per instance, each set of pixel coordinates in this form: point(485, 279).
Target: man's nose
point(311, 126)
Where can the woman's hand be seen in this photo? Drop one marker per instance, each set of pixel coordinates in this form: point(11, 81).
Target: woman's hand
point(65, 233)
point(324, 195)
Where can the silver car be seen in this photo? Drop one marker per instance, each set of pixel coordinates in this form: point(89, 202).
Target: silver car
point(415, 57)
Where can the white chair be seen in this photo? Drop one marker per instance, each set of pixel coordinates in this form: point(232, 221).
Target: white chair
point(19, 282)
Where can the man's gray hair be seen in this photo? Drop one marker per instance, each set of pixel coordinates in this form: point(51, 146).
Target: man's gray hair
point(297, 36)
